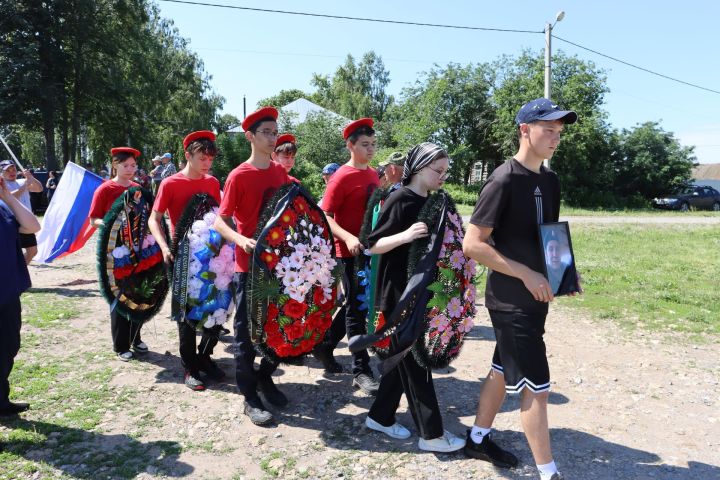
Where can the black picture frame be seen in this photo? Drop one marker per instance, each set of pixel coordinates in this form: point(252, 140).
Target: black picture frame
point(559, 258)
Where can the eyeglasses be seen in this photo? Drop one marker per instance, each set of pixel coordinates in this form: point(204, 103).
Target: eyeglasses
point(442, 175)
point(269, 133)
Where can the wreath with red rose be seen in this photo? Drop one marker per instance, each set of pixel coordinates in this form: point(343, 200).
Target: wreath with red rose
point(292, 283)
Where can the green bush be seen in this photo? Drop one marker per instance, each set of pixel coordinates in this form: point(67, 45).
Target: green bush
point(461, 194)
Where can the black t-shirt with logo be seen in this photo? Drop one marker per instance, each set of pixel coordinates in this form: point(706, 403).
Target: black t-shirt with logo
point(399, 212)
point(513, 201)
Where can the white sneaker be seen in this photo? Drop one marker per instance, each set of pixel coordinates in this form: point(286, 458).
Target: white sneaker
point(125, 356)
point(447, 443)
point(395, 431)
point(140, 347)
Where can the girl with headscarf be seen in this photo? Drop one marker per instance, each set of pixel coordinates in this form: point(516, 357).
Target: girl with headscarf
point(425, 170)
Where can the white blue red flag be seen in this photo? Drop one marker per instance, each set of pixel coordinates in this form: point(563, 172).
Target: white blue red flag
point(66, 226)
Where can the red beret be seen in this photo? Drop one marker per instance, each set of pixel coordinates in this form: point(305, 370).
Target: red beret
point(285, 138)
point(352, 126)
point(264, 112)
point(132, 151)
point(191, 137)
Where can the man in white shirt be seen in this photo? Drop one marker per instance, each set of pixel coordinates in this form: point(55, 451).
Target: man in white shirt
point(21, 189)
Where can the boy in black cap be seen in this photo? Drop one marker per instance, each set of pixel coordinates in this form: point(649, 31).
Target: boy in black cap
point(503, 235)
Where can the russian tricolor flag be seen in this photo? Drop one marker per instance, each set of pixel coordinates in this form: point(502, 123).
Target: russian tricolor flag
point(66, 226)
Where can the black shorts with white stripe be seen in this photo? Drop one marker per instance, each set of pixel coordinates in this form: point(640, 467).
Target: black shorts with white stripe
point(520, 351)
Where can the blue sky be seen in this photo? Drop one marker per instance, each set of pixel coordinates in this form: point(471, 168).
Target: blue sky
point(258, 54)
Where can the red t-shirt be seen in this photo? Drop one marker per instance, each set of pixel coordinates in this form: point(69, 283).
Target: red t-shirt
point(176, 191)
point(105, 196)
point(346, 197)
point(246, 190)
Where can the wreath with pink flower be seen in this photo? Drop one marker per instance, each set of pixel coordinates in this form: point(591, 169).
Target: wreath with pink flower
point(437, 308)
point(293, 276)
point(450, 312)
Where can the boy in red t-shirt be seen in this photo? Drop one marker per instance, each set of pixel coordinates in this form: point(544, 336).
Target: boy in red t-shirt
point(247, 188)
point(173, 196)
point(344, 203)
point(284, 153)
point(124, 164)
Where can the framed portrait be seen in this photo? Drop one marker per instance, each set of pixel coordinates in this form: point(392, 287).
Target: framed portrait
point(558, 258)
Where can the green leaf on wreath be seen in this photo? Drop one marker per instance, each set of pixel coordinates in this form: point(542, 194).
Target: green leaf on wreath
point(436, 287)
point(282, 298)
point(284, 321)
point(208, 275)
point(448, 273)
point(313, 309)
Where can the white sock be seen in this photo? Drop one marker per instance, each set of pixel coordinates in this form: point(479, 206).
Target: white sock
point(477, 433)
point(547, 470)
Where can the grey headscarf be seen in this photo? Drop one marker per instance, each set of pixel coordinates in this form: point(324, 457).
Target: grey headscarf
point(419, 157)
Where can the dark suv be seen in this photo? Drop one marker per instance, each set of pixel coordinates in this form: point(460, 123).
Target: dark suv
point(692, 196)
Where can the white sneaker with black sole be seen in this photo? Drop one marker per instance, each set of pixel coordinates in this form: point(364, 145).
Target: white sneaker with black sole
point(396, 430)
point(447, 443)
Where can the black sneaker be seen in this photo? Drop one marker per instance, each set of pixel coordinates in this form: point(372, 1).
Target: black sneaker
point(193, 382)
point(224, 331)
point(557, 476)
point(210, 368)
point(489, 451)
point(13, 408)
point(325, 356)
point(271, 392)
point(366, 383)
point(256, 412)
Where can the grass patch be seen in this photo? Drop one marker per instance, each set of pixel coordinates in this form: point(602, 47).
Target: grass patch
point(46, 310)
point(650, 276)
point(276, 463)
point(566, 210)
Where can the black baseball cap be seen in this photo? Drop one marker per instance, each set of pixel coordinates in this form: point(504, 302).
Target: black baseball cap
point(544, 109)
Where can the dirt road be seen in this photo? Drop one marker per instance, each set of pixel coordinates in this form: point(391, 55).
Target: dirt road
point(623, 406)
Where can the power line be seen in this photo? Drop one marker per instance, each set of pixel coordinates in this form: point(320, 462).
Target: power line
point(637, 67)
point(359, 19)
point(436, 25)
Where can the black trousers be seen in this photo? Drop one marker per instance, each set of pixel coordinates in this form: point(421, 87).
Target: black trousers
point(416, 382)
point(188, 355)
point(10, 323)
point(243, 349)
point(348, 319)
point(124, 332)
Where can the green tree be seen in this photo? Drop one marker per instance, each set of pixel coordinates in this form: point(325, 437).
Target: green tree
point(583, 160)
point(356, 89)
point(651, 162)
point(451, 107)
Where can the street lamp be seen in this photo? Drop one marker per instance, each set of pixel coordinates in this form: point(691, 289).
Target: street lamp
point(548, 52)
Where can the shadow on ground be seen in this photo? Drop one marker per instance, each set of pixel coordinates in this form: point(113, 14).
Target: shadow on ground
point(87, 455)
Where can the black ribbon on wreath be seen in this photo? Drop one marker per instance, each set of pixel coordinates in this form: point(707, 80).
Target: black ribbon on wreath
point(407, 321)
point(197, 207)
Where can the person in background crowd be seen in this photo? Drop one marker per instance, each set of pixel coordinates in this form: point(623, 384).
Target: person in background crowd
point(328, 171)
point(15, 220)
point(156, 174)
point(168, 168)
point(21, 190)
point(393, 170)
point(51, 184)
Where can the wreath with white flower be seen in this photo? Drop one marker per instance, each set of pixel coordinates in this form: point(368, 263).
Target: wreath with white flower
point(203, 290)
point(293, 275)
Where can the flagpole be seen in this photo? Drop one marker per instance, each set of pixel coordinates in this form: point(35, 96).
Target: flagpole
point(12, 154)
